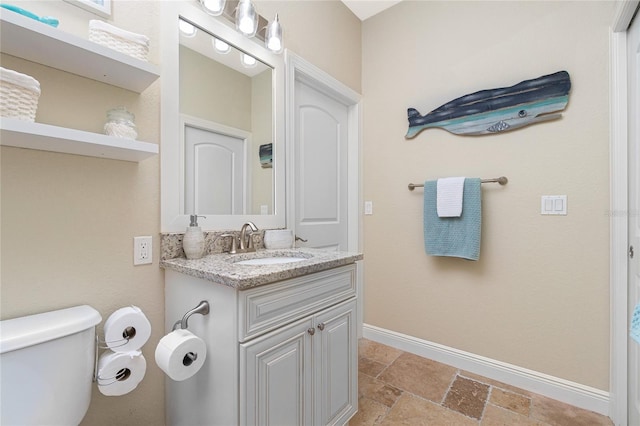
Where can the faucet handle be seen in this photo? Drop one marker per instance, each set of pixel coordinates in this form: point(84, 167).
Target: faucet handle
point(234, 242)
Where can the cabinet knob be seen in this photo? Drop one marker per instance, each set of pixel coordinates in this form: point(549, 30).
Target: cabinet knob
point(321, 326)
point(311, 331)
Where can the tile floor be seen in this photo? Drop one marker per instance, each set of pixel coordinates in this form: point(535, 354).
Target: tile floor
point(399, 388)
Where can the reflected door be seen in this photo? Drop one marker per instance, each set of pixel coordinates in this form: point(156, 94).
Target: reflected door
point(215, 181)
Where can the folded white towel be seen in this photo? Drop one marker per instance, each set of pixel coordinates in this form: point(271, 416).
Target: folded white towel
point(449, 196)
point(19, 79)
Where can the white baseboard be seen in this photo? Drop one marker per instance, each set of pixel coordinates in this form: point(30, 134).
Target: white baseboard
point(552, 387)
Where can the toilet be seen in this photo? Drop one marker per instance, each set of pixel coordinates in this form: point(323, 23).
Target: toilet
point(46, 367)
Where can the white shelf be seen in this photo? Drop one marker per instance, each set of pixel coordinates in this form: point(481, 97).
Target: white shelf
point(37, 42)
point(44, 137)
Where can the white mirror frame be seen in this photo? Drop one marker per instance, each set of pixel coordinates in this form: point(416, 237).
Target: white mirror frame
point(173, 218)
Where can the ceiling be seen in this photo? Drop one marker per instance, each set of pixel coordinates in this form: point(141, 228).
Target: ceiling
point(364, 9)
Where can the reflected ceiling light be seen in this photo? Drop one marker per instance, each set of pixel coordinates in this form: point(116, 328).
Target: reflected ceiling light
point(246, 18)
point(273, 36)
point(213, 7)
point(221, 46)
point(248, 61)
point(187, 29)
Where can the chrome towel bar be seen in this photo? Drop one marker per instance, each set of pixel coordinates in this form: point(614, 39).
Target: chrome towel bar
point(502, 180)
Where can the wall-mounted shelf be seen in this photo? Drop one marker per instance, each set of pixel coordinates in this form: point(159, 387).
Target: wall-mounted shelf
point(44, 137)
point(37, 42)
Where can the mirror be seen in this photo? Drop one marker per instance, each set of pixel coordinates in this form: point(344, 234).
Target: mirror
point(226, 121)
point(222, 125)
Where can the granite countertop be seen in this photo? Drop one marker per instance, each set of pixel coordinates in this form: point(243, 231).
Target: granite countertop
point(220, 268)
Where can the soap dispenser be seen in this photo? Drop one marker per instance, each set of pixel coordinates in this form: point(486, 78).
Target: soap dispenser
point(193, 241)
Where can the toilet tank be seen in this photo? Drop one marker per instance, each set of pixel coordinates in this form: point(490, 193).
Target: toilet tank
point(46, 367)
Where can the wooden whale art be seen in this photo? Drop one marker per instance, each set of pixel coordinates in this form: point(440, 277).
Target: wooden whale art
point(498, 110)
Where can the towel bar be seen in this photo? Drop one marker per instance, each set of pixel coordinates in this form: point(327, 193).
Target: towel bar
point(502, 180)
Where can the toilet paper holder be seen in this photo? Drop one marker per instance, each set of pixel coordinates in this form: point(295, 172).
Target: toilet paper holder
point(202, 309)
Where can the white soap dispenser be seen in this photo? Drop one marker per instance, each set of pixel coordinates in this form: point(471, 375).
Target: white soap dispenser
point(193, 241)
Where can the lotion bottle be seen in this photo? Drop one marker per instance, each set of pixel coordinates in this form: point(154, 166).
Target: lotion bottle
point(193, 241)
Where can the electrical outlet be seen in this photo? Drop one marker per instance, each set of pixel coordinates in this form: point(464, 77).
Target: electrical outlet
point(142, 250)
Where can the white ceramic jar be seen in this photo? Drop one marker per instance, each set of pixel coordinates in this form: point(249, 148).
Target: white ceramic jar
point(278, 238)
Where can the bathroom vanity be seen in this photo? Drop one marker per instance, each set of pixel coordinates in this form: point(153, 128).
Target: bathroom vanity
point(281, 338)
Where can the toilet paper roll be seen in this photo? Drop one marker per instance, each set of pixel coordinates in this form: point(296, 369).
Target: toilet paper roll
point(181, 354)
point(120, 373)
point(129, 321)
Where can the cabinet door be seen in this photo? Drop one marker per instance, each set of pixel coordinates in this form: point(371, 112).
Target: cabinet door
point(336, 369)
point(276, 381)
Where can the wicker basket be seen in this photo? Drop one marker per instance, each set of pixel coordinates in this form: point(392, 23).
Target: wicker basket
point(135, 45)
point(19, 94)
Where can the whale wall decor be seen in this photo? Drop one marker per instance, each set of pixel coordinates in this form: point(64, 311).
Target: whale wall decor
point(498, 110)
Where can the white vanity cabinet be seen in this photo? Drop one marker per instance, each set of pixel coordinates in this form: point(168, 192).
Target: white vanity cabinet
point(277, 354)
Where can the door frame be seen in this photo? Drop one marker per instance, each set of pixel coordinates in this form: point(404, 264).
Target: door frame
point(618, 221)
point(299, 69)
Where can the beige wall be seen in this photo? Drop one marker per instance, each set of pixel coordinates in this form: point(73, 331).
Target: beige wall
point(538, 298)
point(68, 222)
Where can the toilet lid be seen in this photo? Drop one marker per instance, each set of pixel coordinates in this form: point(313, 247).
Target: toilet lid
point(18, 333)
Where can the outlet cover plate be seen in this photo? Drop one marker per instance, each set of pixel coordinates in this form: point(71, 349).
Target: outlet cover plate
point(142, 250)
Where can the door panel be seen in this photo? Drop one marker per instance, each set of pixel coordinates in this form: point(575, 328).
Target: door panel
point(337, 373)
point(217, 183)
point(276, 389)
point(633, 55)
point(321, 147)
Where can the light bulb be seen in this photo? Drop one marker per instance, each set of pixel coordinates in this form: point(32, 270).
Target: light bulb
point(248, 61)
point(246, 18)
point(187, 29)
point(273, 37)
point(221, 46)
point(213, 7)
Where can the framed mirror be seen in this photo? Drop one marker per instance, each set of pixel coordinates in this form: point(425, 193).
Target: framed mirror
point(222, 151)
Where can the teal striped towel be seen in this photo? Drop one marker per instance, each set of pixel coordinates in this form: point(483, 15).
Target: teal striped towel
point(454, 236)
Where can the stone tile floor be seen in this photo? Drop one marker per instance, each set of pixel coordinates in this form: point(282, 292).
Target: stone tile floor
point(399, 388)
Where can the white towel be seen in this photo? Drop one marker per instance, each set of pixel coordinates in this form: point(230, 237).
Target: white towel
point(449, 196)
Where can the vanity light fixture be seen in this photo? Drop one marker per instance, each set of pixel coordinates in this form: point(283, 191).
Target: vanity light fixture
point(187, 29)
point(273, 36)
point(213, 7)
point(246, 18)
point(221, 46)
point(247, 21)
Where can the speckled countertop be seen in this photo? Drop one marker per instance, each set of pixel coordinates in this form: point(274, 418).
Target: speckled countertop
point(220, 268)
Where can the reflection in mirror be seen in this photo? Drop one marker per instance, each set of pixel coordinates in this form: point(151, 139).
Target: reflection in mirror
point(226, 116)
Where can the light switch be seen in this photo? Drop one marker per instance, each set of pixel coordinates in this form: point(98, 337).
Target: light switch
point(553, 205)
point(368, 207)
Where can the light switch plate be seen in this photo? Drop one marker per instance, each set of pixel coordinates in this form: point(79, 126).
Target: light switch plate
point(553, 205)
point(368, 207)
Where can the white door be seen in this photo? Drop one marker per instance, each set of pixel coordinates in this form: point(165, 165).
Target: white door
point(321, 148)
point(215, 183)
point(633, 57)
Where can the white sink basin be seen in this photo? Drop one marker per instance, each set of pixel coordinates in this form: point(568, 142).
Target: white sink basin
point(270, 260)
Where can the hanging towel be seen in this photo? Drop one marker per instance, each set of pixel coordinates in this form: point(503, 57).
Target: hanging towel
point(449, 196)
point(454, 236)
point(635, 324)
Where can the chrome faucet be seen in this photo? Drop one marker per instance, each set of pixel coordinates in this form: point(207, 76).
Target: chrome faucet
point(246, 241)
